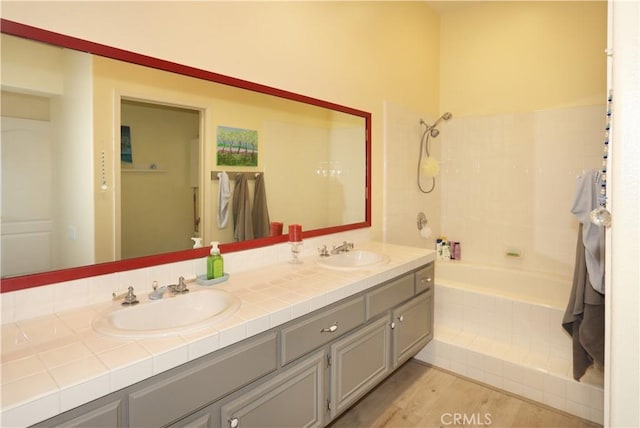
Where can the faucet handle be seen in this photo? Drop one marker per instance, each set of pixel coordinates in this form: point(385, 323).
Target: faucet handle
point(324, 252)
point(130, 298)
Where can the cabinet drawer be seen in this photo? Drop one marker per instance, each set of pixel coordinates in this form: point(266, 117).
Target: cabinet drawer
point(302, 337)
point(175, 396)
point(390, 295)
point(425, 279)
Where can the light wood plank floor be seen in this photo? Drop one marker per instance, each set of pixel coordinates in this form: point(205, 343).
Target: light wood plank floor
point(420, 396)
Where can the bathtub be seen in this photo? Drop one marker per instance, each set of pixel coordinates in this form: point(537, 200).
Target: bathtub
point(517, 285)
point(502, 327)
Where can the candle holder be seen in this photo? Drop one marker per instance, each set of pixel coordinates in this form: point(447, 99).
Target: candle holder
point(295, 252)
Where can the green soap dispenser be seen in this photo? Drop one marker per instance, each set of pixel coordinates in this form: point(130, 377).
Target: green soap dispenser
point(215, 263)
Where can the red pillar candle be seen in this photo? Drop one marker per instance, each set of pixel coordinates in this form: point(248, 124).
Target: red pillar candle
point(295, 233)
point(275, 228)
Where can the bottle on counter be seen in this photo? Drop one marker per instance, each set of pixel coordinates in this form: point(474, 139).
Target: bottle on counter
point(215, 263)
point(446, 250)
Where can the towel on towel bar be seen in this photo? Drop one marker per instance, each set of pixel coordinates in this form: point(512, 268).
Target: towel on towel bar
point(260, 214)
point(242, 224)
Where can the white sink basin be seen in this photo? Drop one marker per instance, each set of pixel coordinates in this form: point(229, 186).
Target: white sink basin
point(353, 260)
point(167, 316)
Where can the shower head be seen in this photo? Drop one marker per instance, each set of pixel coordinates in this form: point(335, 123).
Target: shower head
point(445, 116)
point(432, 129)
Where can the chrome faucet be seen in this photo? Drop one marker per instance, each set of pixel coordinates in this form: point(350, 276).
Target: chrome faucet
point(345, 247)
point(158, 292)
point(323, 251)
point(180, 287)
point(128, 298)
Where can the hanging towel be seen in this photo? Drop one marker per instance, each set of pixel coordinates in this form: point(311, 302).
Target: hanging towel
point(224, 194)
point(260, 214)
point(586, 199)
point(584, 317)
point(242, 225)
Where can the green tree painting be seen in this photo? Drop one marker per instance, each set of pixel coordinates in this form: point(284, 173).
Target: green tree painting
point(237, 147)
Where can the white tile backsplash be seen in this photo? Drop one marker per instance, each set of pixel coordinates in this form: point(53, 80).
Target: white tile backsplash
point(46, 300)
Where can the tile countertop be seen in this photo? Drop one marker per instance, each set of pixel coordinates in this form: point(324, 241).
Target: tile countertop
point(54, 363)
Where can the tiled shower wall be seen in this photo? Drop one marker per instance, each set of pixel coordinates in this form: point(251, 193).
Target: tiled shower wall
point(507, 182)
point(402, 201)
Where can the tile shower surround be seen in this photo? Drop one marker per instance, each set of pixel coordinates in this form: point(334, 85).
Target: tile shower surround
point(508, 180)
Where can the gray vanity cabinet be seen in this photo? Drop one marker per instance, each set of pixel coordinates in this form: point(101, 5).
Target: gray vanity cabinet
point(412, 325)
point(293, 399)
point(358, 363)
point(302, 374)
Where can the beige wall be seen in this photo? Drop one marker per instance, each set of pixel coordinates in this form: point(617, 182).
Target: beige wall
point(499, 57)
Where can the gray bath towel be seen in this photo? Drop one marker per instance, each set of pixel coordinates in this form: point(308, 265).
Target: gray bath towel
point(586, 199)
point(242, 224)
point(260, 215)
point(584, 317)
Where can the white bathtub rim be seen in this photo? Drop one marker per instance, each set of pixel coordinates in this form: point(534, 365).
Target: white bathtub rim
point(559, 302)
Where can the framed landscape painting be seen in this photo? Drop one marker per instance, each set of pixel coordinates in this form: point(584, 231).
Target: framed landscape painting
point(237, 147)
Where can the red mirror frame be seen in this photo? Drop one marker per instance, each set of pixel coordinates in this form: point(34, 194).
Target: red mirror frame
point(51, 277)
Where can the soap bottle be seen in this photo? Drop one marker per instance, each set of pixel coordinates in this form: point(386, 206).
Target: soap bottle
point(215, 264)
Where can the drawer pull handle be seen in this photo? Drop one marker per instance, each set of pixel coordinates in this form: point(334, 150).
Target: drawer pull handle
point(424, 280)
point(330, 329)
point(393, 325)
point(401, 318)
point(234, 423)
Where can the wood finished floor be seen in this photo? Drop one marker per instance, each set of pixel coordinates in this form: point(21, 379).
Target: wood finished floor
point(420, 396)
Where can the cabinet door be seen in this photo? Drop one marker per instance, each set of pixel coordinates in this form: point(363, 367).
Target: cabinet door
point(412, 326)
point(294, 398)
point(358, 363)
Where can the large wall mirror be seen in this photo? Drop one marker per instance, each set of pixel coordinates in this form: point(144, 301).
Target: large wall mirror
point(112, 160)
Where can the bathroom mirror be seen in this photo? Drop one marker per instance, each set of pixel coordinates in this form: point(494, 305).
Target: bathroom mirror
point(314, 156)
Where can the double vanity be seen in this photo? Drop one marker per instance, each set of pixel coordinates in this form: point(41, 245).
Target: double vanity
point(331, 335)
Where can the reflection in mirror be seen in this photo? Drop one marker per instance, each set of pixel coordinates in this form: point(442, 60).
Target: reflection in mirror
point(159, 182)
point(72, 197)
